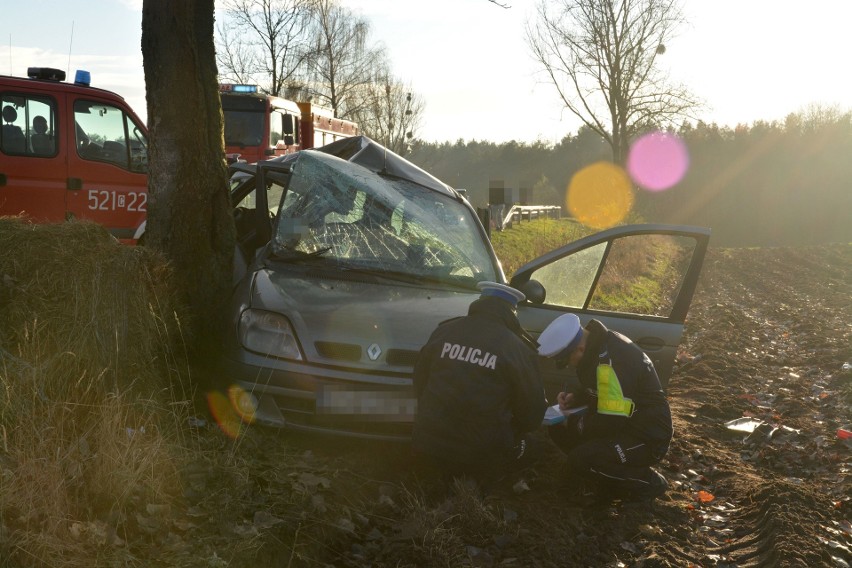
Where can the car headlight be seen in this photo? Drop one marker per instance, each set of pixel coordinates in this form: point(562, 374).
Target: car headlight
point(269, 333)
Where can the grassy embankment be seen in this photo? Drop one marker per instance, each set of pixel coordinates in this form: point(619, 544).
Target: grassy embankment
point(96, 460)
point(528, 240)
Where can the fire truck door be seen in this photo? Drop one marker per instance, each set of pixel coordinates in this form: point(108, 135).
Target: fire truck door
point(33, 164)
point(107, 163)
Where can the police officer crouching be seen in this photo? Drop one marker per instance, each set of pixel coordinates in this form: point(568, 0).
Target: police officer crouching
point(627, 427)
point(479, 390)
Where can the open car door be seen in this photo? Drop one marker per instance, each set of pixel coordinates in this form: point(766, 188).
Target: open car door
point(636, 279)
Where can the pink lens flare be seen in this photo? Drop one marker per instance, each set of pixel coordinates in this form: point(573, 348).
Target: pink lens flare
point(658, 161)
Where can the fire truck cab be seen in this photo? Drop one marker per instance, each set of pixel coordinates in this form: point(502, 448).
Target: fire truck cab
point(258, 126)
point(71, 151)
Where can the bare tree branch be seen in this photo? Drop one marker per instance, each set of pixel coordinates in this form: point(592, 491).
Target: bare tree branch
point(390, 112)
point(601, 56)
point(263, 41)
point(340, 61)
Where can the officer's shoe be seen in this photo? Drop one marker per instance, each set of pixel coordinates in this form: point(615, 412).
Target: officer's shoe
point(647, 494)
point(586, 495)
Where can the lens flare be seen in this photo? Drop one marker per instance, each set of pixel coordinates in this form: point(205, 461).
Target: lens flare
point(224, 413)
point(600, 195)
point(243, 402)
point(658, 161)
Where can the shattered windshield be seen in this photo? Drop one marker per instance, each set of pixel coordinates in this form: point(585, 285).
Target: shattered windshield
point(336, 210)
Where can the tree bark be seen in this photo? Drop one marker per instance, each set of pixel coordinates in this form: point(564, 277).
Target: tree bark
point(189, 210)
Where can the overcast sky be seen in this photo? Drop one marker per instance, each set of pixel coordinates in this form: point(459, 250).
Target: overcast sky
point(747, 59)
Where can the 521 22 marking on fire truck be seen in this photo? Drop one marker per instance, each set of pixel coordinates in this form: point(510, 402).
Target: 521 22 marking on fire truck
point(110, 200)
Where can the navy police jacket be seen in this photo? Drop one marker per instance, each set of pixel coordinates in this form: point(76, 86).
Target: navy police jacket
point(478, 386)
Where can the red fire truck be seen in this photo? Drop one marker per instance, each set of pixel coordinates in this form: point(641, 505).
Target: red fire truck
point(71, 151)
point(259, 126)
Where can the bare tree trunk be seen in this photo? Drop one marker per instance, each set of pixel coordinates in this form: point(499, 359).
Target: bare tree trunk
point(189, 212)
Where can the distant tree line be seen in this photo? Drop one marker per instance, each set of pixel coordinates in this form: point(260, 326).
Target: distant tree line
point(767, 184)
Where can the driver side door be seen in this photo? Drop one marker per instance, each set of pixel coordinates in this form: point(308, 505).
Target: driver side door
point(635, 279)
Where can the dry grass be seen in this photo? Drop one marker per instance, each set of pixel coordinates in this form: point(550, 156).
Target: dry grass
point(446, 533)
point(91, 392)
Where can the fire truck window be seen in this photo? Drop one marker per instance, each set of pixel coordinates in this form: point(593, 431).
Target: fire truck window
point(101, 133)
point(138, 145)
point(243, 128)
point(29, 125)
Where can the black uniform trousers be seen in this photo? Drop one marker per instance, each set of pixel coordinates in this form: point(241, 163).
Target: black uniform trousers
point(618, 465)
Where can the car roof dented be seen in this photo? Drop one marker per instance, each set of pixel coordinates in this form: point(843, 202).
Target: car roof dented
point(371, 156)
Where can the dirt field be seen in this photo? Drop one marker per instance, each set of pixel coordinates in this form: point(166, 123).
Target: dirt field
point(768, 339)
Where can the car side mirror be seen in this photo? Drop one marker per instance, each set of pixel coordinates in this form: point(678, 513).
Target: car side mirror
point(534, 291)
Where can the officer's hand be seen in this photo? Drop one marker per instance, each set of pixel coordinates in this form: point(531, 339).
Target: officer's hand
point(565, 400)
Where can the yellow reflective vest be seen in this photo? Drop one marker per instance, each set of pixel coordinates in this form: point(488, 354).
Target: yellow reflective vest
point(611, 399)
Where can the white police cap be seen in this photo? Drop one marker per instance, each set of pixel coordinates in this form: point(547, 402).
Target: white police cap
point(511, 295)
point(561, 333)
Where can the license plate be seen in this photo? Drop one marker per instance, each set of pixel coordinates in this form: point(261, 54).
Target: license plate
point(366, 404)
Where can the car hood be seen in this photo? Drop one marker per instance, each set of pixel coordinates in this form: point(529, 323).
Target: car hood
point(357, 322)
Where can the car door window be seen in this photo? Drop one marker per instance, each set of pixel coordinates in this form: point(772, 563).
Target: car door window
point(138, 147)
point(637, 274)
point(569, 279)
point(643, 275)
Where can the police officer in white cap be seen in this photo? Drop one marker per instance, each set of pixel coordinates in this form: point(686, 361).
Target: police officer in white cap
point(479, 390)
point(628, 425)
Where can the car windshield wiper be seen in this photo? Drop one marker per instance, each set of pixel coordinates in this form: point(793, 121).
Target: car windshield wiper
point(389, 274)
point(292, 255)
point(407, 277)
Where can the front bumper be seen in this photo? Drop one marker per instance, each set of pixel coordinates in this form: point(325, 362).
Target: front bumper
point(327, 399)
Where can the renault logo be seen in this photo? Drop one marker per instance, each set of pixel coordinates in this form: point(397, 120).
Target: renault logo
point(374, 351)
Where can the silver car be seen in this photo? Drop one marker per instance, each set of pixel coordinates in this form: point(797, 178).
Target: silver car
point(349, 258)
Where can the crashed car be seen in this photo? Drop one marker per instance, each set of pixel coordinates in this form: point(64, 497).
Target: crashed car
point(350, 256)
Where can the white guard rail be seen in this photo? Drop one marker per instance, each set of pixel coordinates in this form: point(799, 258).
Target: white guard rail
point(531, 212)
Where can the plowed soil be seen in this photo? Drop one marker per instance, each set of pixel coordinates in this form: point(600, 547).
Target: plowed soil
point(767, 344)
